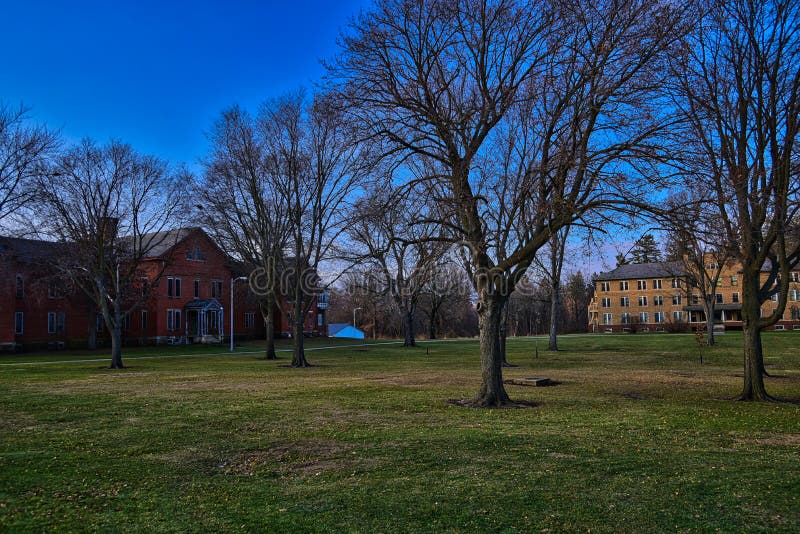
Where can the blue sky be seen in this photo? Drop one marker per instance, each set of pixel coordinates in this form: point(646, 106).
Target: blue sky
point(156, 74)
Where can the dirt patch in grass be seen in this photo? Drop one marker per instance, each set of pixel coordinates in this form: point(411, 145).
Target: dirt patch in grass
point(631, 395)
point(562, 456)
point(419, 380)
point(17, 421)
point(771, 440)
point(305, 457)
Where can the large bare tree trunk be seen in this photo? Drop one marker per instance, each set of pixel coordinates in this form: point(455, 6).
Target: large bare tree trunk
point(753, 389)
point(709, 308)
point(268, 312)
point(490, 314)
point(408, 328)
point(299, 353)
point(504, 334)
point(116, 347)
point(91, 340)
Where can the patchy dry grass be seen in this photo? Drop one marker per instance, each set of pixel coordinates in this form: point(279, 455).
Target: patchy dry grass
point(636, 436)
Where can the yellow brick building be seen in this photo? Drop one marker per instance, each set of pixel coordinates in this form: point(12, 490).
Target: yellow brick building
point(658, 297)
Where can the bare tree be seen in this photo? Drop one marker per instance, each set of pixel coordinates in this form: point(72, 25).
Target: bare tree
point(319, 167)
point(737, 83)
point(242, 205)
point(111, 206)
point(446, 299)
point(24, 153)
point(435, 79)
point(701, 255)
point(389, 230)
point(552, 271)
point(363, 289)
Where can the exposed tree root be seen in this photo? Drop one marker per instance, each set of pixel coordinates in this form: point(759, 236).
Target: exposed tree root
point(751, 398)
point(480, 403)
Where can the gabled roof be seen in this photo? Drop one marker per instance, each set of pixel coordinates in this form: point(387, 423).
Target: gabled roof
point(163, 242)
point(204, 305)
point(30, 250)
point(663, 269)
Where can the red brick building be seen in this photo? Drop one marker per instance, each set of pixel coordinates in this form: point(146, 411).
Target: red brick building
point(189, 300)
point(37, 308)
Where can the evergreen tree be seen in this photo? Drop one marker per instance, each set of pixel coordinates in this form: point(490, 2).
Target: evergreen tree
point(645, 250)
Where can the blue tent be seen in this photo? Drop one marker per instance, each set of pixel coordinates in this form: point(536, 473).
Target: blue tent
point(344, 330)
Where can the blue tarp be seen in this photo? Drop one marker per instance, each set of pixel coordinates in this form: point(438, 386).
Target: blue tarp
point(344, 330)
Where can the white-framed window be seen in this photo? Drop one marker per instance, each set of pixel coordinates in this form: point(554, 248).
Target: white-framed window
point(249, 319)
point(56, 322)
point(173, 286)
point(734, 280)
point(19, 323)
point(794, 295)
point(605, 286)
point(623, 286)
point(641, 285)
point(657, 284)
point(676, 283)
point(643, 300)
point(644, 317)
point(54, 290)
point(712, 266)
point(695, 299)
point(607, 318)
point(774, 297)
point(658, 317)
point(626, 318)
point(734, 297)
point(794, 276)
point(719, 298)
point(677, 316)
point(606, 302)
point(173, 320)
point(658, 300)
point(624, 302)
point(195, 254)
point(676, 300)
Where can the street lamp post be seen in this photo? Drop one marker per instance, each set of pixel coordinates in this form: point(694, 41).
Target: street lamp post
point(234, 280)
point(354, 315)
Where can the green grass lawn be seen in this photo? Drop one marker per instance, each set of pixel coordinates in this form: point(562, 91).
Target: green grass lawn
point(637, 437)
